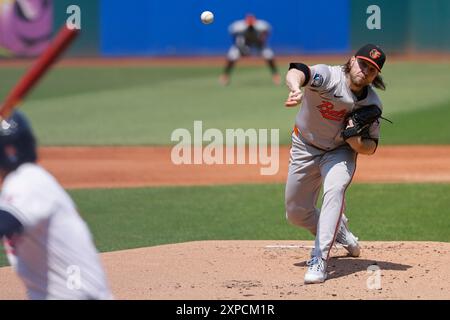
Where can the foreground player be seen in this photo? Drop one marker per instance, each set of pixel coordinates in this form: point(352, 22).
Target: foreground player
point(321, 154)
point(46, 241)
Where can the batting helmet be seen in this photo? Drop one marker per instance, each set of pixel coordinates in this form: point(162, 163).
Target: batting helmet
point(17, 142)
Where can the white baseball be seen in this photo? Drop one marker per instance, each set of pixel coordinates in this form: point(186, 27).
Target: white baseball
point(207, 17)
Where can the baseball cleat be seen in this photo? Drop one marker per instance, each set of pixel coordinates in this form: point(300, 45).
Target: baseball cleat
point(347, 239)
point(316, 272)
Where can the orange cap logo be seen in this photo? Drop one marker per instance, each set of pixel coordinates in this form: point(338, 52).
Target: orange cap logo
point(375, 54)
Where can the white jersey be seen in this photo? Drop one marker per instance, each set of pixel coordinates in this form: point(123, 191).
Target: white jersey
point(255, 37)
point(241, 26)
point(327, 101)
point(54, 255)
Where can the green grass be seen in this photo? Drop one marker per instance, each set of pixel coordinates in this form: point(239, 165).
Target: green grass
point(414, 86)
point(143, 105)
point(418, 126)
point(130, 218)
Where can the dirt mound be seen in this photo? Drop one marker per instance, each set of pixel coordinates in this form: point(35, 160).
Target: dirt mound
point(234, 270)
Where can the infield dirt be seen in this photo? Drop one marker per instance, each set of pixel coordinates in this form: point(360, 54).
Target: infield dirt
point(116, 167)
point(234, 270)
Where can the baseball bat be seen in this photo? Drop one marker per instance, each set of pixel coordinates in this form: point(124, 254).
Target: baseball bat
point(29, 80)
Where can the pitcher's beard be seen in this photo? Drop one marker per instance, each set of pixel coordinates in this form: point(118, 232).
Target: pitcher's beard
point(359, 82)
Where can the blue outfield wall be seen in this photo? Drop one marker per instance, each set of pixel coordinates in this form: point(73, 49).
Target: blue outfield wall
point(164, 27)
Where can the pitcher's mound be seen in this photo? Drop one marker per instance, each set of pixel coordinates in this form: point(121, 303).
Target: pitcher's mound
point(274, 270)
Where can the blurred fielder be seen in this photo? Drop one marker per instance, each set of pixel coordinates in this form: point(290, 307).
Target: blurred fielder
point(46, 241)
point(337, 120)
point(249, 36)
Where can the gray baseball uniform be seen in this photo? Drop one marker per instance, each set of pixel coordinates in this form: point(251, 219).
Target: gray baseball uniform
point(319, 155)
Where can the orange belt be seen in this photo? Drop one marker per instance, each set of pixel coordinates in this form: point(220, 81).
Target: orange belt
point(297, 132)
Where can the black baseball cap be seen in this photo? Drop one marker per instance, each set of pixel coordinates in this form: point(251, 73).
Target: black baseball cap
point(373, 54)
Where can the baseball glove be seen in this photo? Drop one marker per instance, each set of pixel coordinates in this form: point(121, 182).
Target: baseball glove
point(362, 119)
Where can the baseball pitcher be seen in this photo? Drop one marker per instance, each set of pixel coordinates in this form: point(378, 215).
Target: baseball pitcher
point(338, 119)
